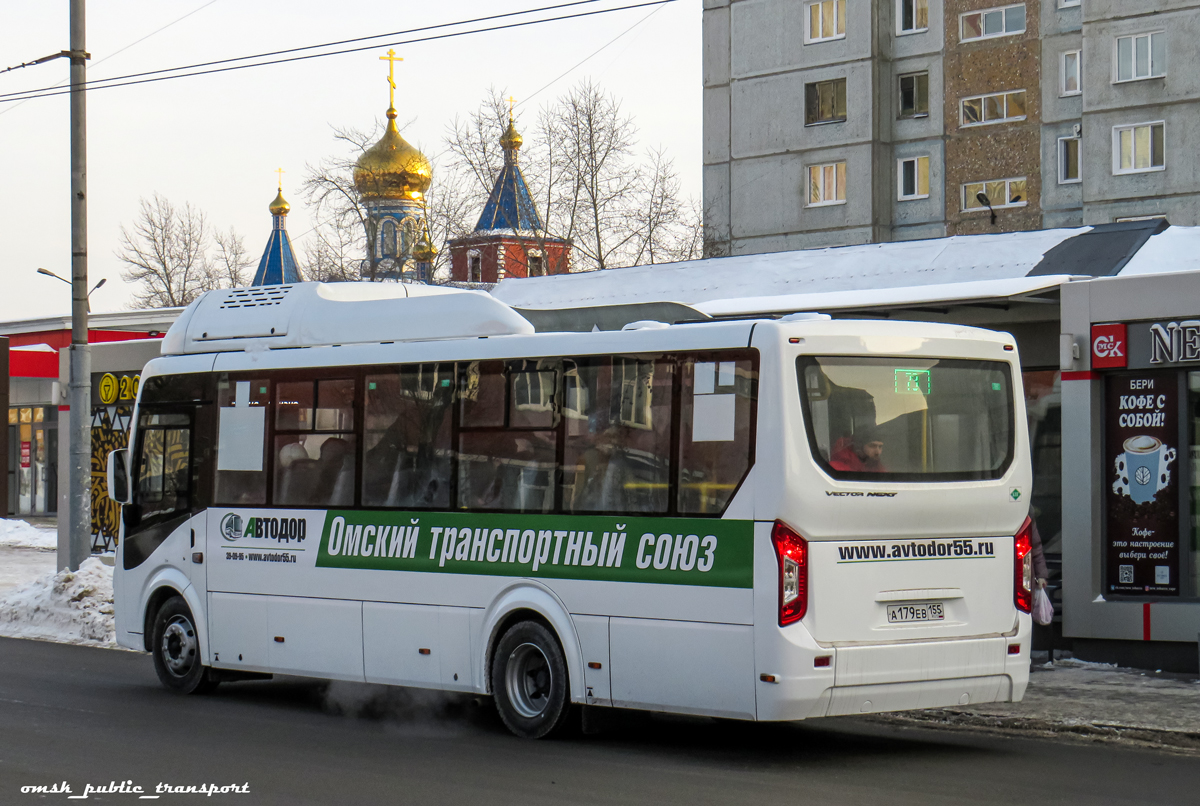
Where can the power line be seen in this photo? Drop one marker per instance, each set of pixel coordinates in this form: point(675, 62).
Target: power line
point(115, 52)
point(123, 81)
point(594, 53)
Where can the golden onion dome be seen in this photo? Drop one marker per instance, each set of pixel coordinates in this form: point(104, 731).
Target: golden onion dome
point(280, 205)
point(392, 169)
point(424, 251)
point(511, 140)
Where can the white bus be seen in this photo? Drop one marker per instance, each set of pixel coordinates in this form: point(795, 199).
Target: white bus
point(761, 520)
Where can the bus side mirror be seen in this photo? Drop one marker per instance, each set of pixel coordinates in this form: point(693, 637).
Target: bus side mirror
point(118, 476)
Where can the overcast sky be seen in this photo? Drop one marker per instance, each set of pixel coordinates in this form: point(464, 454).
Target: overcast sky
point(215, 141)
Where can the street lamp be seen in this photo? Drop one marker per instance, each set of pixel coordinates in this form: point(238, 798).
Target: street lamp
point(49, 273)
point(986, 202)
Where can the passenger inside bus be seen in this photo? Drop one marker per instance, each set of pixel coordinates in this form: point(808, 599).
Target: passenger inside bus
point(860, 452)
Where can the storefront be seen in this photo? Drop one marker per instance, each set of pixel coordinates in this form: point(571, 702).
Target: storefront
point(35, 456)
point(1131, 468)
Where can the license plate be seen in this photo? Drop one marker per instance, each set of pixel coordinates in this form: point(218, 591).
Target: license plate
point(920, 611)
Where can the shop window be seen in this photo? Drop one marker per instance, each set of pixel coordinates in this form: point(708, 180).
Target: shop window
point(1068, 160)
point(913, 16)
point(826, 21)
point(715, 430)
point(914, 95)
point(914, 178)
point(825, 102)
point(827, 184)
point(1070, 72)
point(1193, 433)
point(999, 107)
point(406, 437)
point(314, 443)
point(1140, 148)
point(992, 22)
point(1141, 56)
point(241, 441)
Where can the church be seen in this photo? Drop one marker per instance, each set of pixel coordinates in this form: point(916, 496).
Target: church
point(393, 179)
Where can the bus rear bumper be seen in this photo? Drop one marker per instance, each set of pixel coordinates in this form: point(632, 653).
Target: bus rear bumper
point(872, 678)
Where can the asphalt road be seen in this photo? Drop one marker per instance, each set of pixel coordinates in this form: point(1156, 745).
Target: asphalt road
point(96, 716)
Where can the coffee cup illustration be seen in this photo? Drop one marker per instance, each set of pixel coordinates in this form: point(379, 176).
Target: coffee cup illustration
point(1142, 470)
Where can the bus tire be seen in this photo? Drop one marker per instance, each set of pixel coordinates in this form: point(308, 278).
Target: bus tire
point(175, 646)
point(529, 681)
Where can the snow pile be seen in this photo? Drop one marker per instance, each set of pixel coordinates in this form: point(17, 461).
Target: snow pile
point(74, 608)
point(23, 535)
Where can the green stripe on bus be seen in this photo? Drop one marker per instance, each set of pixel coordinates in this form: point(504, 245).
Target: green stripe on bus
point(671, 551)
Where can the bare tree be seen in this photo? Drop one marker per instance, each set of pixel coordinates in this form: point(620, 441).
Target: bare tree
point(174, 256)
point(339, 238)
point(591, 146)
point(474, 143)
point(229, 262)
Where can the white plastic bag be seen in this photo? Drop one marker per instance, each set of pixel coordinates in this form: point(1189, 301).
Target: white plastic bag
point(1043, 609)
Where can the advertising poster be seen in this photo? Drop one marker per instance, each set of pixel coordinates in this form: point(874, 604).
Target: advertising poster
point(1142, 484)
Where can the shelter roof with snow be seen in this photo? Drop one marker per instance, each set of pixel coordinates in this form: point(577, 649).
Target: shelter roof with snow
point(966, 268)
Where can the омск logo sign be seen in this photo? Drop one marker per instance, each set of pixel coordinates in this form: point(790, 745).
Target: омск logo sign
point(1108, 346)
point(231, 526)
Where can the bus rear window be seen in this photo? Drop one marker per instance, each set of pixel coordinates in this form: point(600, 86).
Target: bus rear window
point(908, 419)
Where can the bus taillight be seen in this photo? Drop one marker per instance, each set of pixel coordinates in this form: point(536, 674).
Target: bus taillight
point(792, 551)
point(1023, 568)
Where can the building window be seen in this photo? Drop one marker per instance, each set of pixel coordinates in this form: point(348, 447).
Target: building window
point(826, 20)
point(914, 95)
point(1068, 160)
point(1000, 193)
point(1070, 73)
point(827, 184)
point(1139, 148)
point(992, 22)
point(1141, 56)
point(999, 107)
point(537, 264)
point(914, 178)
point(825, 102)
point(474, 268)
point(914, 16)
point(388, 245)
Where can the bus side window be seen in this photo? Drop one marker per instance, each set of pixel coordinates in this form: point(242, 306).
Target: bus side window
point(506, 442)
point(617, 416)
point(716, 435)
point(164, 466)
point(241, 441)
point(406, 437)
point(314, 443)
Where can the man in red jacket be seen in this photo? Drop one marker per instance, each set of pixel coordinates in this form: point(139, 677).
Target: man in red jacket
point(860, 453)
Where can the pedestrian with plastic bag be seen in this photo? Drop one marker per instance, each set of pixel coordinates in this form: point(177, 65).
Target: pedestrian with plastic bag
point(1043, 608)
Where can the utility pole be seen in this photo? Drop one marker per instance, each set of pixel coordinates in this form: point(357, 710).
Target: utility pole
point(79, 492)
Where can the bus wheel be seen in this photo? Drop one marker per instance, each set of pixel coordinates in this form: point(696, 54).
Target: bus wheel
point(176, 650)
point(529, 681)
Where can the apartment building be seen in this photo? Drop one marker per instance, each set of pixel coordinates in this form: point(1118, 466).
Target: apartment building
point(833, 122)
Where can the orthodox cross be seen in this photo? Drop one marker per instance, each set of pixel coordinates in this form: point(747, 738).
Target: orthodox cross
point(281, 172)
point(511, 101)
point(391, 58)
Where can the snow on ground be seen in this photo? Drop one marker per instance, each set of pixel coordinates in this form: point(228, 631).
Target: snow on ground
point(19, 533)
point(73, 608)
point(20, 567)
